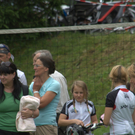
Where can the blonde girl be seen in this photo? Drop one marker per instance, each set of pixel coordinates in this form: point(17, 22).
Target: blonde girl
point(120, 104)
point(79, 110)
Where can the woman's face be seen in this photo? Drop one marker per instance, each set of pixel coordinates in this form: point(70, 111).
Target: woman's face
point(78, 94)
point(7, 79)
point(39, 68)
point(35, 58)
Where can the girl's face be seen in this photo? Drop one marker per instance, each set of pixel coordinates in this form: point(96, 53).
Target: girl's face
point(78, 94)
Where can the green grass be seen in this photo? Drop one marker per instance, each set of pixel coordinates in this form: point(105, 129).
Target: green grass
point(80, 56)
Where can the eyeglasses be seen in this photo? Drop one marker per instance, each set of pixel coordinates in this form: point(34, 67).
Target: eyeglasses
point(7, 63)
point(3, 46)
point(36, 65)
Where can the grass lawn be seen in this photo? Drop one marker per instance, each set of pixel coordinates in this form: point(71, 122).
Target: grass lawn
point(80, 56)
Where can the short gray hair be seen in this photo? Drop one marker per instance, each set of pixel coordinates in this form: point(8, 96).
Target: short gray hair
point(43, 53)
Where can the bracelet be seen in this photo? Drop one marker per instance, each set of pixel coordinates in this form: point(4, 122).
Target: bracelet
point(36, 92)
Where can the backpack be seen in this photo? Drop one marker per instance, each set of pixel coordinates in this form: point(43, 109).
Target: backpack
point(75, 130)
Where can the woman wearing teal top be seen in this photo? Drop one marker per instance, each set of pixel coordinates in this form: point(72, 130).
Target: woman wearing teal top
point(10, 94)
point(48, 91)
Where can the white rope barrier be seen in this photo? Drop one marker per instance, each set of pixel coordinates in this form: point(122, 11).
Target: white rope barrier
point(66, 28)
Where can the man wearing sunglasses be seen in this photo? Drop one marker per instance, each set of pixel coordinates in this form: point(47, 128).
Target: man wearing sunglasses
point(5, 55)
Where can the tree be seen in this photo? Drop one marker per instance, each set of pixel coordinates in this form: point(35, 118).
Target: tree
point(27, 13)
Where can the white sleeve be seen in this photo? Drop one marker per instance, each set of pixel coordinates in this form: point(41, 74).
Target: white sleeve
point(22, 77)
point(64, 96)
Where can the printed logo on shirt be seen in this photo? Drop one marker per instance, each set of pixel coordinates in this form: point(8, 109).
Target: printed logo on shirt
point(73, 111)
point(86, 110)
point(126, 96)
point(124, 106)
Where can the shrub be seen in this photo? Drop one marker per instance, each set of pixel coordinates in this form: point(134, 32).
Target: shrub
point(27, 13)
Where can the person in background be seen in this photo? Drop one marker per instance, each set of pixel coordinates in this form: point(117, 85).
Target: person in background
point(64, 96)
point(47, 90)
point(11, 91)
point(131, 74)
point(5, 55)
point(79, 110)
point(120, 104)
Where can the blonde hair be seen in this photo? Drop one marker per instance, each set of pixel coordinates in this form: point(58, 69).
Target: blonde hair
point(82, 85)
point(118, 74)
point(131, 70)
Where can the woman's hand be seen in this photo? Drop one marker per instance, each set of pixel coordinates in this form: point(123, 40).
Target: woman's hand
point(37, 84)
point(26, 113)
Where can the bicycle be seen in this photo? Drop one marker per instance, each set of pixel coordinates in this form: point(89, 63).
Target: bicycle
point(131, 29)
point(80, 130)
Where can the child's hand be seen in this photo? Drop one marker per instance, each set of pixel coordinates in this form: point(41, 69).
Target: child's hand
point(78, 122)
point(88, 124)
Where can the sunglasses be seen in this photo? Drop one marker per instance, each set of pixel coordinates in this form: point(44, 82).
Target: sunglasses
point(7, 63)
point(3, 46)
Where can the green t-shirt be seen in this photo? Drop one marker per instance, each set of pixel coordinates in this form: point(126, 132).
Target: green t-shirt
point(8, 111)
